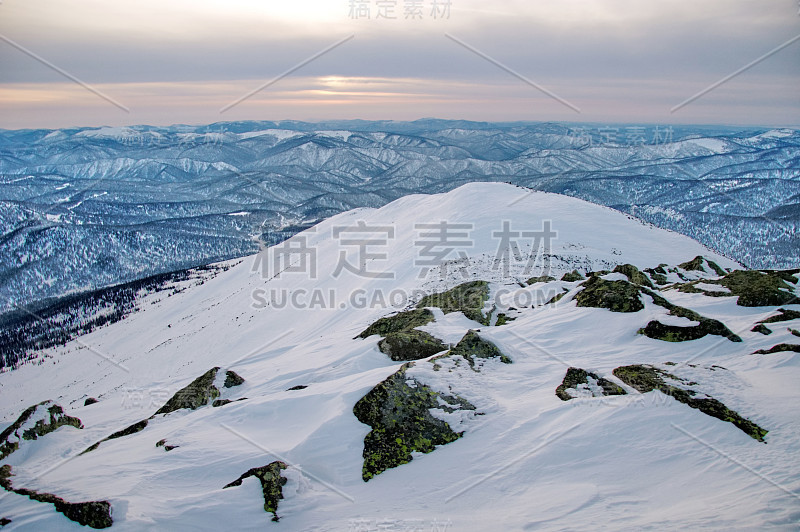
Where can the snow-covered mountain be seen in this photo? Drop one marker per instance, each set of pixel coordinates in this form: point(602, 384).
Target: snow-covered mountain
point(610, 383)
point(88, 207)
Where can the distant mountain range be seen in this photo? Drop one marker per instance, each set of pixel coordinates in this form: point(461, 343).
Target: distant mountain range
point(89, 207)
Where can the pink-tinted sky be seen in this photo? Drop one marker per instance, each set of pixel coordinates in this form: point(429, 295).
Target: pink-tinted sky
point(186, 61)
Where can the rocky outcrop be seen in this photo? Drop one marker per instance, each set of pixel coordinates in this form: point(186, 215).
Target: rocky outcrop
point(402, 321)
point(646, 378)
point(472, 346)
point(34, 422)
point(579, 379)
point(468, 298)
point(271, 484)
point(410, 345)
point(200, 392)
point(616, 296)
point(398, 411)
point(94, 514)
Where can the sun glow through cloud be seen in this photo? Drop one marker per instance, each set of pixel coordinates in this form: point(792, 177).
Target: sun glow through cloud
point(181, 61)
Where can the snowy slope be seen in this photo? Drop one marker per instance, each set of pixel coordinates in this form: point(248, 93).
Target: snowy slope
point(529, 461)
point(90, 207)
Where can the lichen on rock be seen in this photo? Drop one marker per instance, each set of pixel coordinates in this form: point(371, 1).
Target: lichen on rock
point(272, 483)
point(401, 321)
point(616, 296)
point(468, 298)
point(401, 422)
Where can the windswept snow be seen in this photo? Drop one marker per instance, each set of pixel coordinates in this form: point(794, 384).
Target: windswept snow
point(526, 461)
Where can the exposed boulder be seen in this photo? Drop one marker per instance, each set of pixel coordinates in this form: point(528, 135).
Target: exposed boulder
point(410, 345)
point(472, 346)
point(580, 379)
point(398, 410)
point(468, 298)
point(616, 296)
point(675, 333)
point(760, 289)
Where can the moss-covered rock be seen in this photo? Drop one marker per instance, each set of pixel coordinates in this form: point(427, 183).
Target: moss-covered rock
point(199, 392)
point(410, 345)
point(633, 274)
point(645, 378)
point(761, 328)
point(402, 321)
point(572, 276)
point(94, 514)
point(616, 296)
point(46, 416)
point(468, 298)
point(778, 349)
point(398, 410)
point(271, 484)
point(472, 346)
point(759, 289)
point(576, 378)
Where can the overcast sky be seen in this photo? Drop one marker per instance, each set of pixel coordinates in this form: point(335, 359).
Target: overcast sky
point(184, 61)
